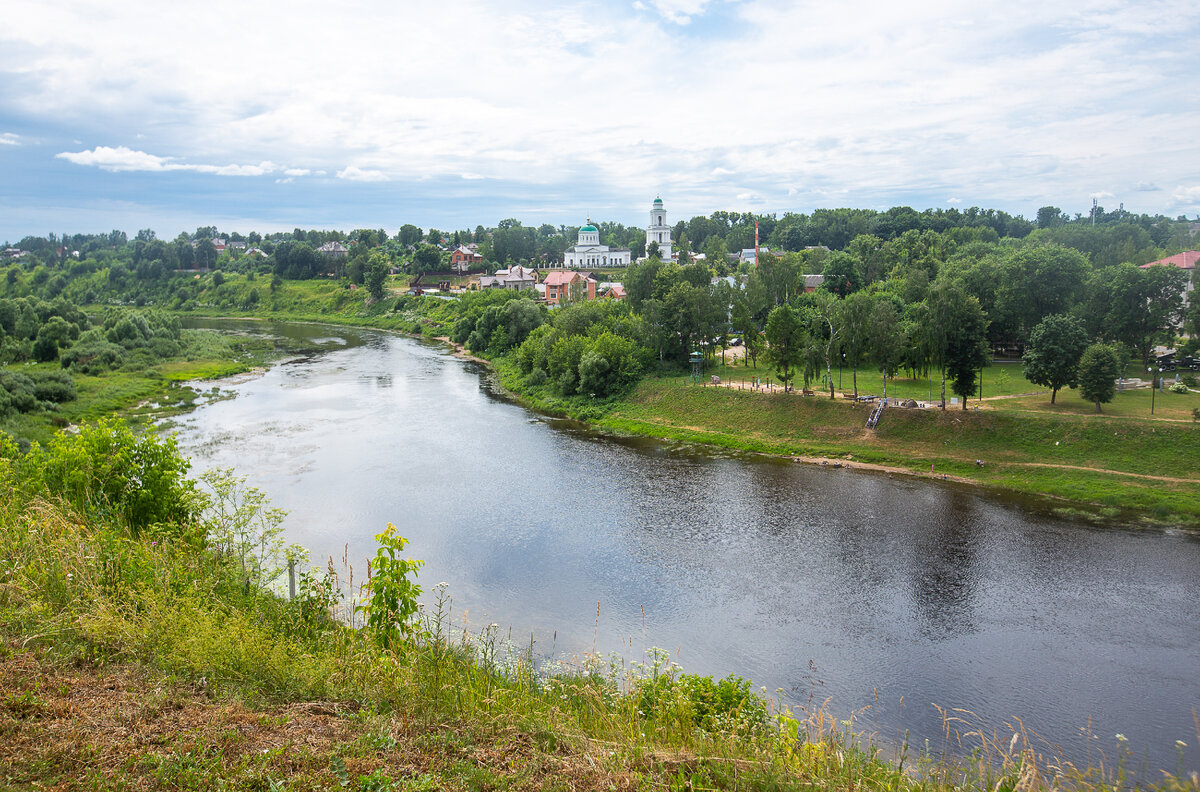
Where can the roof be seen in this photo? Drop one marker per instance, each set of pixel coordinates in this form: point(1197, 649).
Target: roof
point(1185, 260)
point(658, 201)
point(589, 228)
point(561, 278)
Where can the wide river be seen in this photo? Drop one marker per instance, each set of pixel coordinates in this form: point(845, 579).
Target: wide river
point(862, 588)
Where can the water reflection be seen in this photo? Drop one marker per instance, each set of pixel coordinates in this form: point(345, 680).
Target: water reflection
point(822, 582)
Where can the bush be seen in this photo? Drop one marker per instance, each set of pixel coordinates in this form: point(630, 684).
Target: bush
point(54, 386)
point(107, 471)
point(18, 394)
point(536, 378)
point(1178, 387)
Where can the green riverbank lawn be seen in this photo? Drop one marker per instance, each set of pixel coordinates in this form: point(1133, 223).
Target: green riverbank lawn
point(1113, 461)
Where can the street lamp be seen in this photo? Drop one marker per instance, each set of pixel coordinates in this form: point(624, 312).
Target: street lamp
point(1154, 372)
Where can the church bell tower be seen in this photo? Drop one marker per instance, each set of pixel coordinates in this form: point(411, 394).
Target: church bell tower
point(658, 230)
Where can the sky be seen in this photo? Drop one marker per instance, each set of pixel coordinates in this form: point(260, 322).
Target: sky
point(368, 114)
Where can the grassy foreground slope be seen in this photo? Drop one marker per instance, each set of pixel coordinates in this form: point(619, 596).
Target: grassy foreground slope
point(1116, 462)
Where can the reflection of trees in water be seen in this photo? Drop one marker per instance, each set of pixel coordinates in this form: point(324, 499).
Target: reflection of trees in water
point(943, 572)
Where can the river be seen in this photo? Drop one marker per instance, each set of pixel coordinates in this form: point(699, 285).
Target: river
point(871, 590)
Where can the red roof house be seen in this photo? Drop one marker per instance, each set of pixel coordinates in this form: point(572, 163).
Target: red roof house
point(558, 286)
point(1185, 260)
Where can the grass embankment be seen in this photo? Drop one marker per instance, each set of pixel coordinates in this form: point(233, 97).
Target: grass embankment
point(136, 656)
point(1113, 461)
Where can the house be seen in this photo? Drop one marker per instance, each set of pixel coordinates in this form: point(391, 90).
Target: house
point(561, 286)
point(463, 256)
point(612, 291)
point(1185, 261)
point(813, 282)
point(747, 256)
point(256, 252)
point(518, 278)
point(334, 250)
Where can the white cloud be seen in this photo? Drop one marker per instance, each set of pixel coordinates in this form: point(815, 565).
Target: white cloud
point(120, 158)
point(680, 12)
point(1015, 103)
point(1187, 196)
point(355, 173)
point(10, 139)
point(117, 159)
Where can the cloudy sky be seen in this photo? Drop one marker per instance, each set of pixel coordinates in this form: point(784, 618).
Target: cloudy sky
point(364, 113)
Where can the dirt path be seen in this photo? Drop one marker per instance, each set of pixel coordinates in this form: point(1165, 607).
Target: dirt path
point(1112, 472)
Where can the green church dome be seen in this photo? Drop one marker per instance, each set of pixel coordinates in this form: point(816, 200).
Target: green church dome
point(589, 229)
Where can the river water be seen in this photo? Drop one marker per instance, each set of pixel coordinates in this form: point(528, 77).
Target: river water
point(866, 589)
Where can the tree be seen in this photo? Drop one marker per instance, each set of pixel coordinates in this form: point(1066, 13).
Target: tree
point(206, 254)
point(376, 275)
point(1052, 357)
point(842, 276)
point(827, 324)
point(653, 251)
point(785, 342)
point(743, 322)
point(855, 314)
point(1039, 280)
point(409, 234)
point(952, 329)
point(1138, 307)
point(427, 259)
point(1098, 374)
point(889, 339)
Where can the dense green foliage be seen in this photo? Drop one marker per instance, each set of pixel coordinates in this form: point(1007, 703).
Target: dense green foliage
point(1097, 374)
point(1052, 357)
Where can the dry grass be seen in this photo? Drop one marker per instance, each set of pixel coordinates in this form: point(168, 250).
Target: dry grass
point(77, 726)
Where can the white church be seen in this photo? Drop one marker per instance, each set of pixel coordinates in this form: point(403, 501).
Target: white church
point(588, 253)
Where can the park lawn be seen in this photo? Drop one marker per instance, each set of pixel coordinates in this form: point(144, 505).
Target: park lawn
point(1129, 403)
point(999, 379)
point(1111, 461)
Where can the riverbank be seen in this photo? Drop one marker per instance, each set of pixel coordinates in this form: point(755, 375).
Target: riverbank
point(1120, 467)
point(133, 655)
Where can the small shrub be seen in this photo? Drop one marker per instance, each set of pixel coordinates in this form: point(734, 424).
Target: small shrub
point(392, 597)
point(537, 378)
point(1178, 387)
